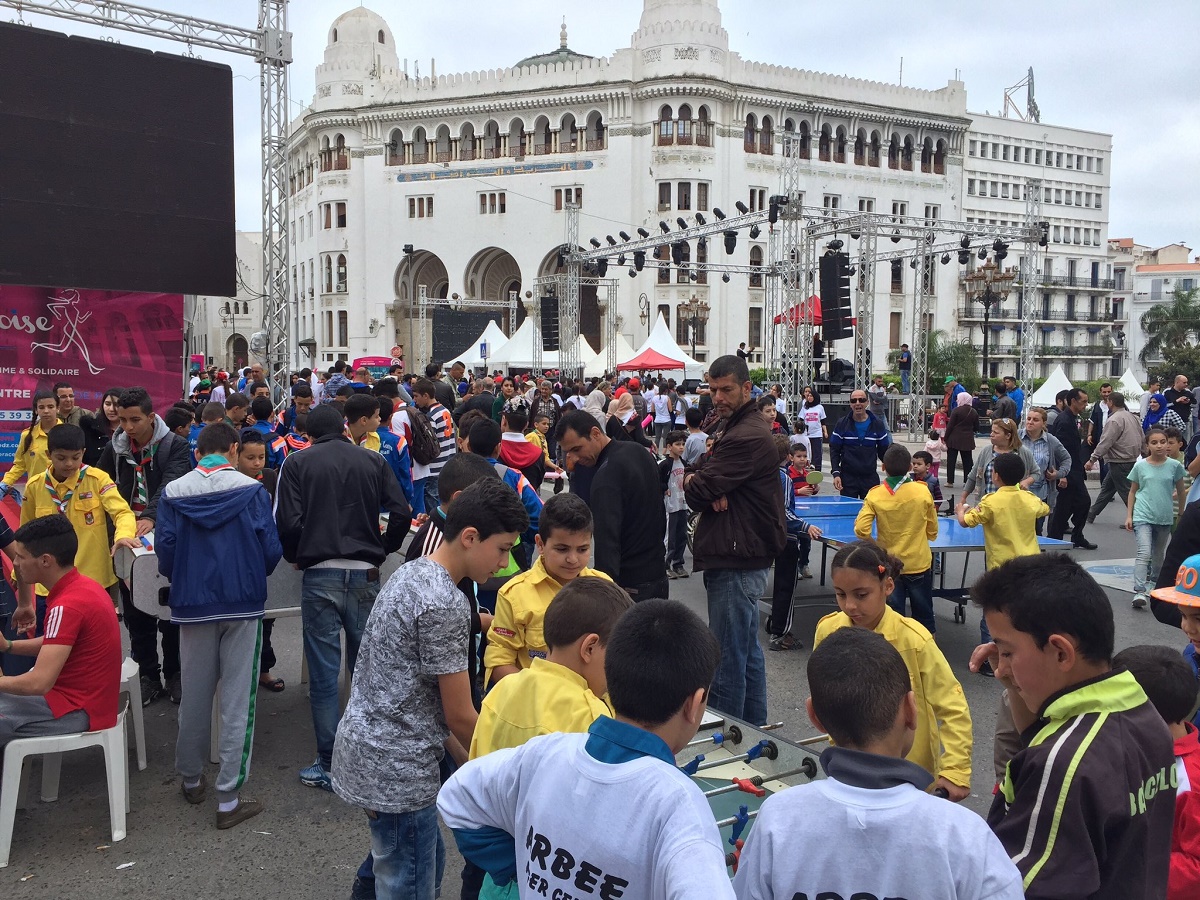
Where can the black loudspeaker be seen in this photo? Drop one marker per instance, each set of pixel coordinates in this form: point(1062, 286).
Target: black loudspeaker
point(549, 323)
point(835, 296)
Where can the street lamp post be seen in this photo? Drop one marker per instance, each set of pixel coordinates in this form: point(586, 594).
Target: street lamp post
point(696, 311)
point(644, 306)
point(989, 285)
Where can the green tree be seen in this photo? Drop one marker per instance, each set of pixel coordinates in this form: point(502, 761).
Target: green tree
point(1173, 325)
point(1180, 361)
point(947, 357)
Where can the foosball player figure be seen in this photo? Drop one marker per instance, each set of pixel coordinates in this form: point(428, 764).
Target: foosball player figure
point(872, 797)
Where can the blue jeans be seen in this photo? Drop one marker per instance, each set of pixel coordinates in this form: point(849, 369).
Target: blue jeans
point(740, 686)
point(917, 589)
point(432, 500)
point(409, 854)
point(332, 600)
point(904, 378)
point(1152, 543)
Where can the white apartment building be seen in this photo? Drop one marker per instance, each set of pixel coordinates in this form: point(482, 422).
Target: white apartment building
point(1080, 324)
point(221, 328)
point(1146, 277)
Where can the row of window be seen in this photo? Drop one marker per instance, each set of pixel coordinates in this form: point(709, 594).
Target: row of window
point(1060, 196)
point(683, 194)
point(1056, 159)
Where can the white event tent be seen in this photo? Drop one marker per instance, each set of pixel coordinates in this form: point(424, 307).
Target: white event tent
point(597, 365)
point(518, 352)
point(661, 347)
point(1044, 396)
point(1130, 386)
point(493, 337)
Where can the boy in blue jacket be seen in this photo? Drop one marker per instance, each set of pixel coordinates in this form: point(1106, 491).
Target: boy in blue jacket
point(216, 540)
point(394, 448)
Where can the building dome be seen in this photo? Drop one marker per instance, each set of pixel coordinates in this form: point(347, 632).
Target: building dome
point(359, 46)
point(563, 54)
point(360, 26)
point(681, 23)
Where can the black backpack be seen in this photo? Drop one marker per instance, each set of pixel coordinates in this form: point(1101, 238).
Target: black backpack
point(423, 441)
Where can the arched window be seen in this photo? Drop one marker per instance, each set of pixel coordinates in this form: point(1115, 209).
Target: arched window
point(826, 143)
point(595, 132)
point(750, 135)
point(443, 144)
point(379, 37)
point(860, 148)
point(491, 140)
point(894, 152)
point(541, 136)
point(516, 138)
point(766, 137)
point(420, 146)
point(874, 150)
point(567, 139)
point(666, 127)
point(756, 261)
point(703, 128)
point(702, 261)
point(839, 145)
point(341, 154)
point(395, 148)
point(328, 275)
point(466, 142)
point(341, 273)
point(927, 156)
point(939, 158)
point(335, 35)
point(805, 141)
point(906, 154)
point(683, 128)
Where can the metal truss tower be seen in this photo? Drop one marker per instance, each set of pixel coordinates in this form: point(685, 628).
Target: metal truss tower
point(922, 288)
point(270, 44)
point(865, 306)
point(569, 362)
point(795, 263)
point(1031, 271)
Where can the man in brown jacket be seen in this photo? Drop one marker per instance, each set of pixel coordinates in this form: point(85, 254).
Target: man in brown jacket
point(741, 530)
point(1120, 446)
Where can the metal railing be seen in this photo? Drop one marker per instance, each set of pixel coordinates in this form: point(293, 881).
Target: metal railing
point(975, 313)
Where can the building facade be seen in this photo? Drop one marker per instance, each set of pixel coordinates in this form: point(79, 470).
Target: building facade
point(457, 185)
point(1146, 277)
point(221, 329)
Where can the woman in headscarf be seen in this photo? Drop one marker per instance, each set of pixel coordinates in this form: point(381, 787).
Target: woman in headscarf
point(960, 436)
point(1159, 413)
point(623, 424)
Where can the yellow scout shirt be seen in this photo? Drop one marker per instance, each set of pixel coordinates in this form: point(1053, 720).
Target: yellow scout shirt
point(33, 461)
point(87, 499)
point(905, 520)
point(1009, 518)
point(516, 638)
point(939, 695)
point(543, 699)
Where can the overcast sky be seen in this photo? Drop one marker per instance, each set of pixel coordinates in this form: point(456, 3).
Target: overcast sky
point(1129, 70)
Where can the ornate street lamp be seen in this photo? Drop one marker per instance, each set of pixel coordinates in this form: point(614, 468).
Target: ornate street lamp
point(989, 285)
point(696, 312)
point(644, 305)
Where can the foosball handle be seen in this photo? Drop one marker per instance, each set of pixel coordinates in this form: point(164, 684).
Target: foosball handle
point(748, 786)
point(762, 747)
point(694, 766)
point(741, 820)
point(734, 857)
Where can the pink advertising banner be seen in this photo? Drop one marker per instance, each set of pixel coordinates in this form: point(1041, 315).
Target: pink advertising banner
point(95, 340)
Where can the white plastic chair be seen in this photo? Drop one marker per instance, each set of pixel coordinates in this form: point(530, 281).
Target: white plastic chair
point(131, 684)
point(51, 747)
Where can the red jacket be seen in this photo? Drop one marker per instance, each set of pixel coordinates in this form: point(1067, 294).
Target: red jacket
point(1185, 840)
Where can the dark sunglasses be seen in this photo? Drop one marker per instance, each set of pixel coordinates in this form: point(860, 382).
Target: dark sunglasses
point(858, 399)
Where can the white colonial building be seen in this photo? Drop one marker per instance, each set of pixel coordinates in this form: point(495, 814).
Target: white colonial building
point(221, 328)
point(472, 172)
point(1144, 277)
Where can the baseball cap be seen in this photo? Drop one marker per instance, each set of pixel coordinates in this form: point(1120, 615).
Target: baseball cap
point(1186, 591)
point(635, 384)
point(949, 378)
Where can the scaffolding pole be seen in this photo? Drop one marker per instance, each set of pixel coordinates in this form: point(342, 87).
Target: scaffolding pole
point(1031, 270)
point(920, 336)
point(569, 363)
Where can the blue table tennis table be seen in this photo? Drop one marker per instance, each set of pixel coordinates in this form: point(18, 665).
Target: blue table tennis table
point(822, 506)
point(838, 529)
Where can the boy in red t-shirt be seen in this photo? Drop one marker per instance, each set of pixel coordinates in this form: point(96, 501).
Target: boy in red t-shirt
point(74, 684)
point(798, 471)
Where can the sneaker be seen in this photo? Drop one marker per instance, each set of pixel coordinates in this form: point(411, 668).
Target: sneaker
point(196, 794)
point(316, 776)
point(152, 690)
point(805, 573)
point(175, 688)
point(681, 572)
point(782, 642)
point(246, 809)
point(672, 574)
point(1139, 601)
point(362, 889)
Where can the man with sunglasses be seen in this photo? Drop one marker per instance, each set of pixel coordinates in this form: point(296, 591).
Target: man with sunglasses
point(856, 447)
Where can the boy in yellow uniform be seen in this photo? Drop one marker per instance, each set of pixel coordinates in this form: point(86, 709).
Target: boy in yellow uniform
point(30, 458)
point(1009, 518)
point(87, 497)
point(564, 543)
point(905, 519)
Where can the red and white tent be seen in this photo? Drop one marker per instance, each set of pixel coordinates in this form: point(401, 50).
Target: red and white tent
point(660, 353)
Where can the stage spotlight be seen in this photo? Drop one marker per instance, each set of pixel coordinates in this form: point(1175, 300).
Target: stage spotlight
point(624, 235)
point(945, 258)
point(621, 259)
point(983, 252)
point(725, 277)
point(602, 267)
point(632, 273)
point(717, 212)
point(730, 242)
point(854, 235)
point(612, 241)
point(964, 257)
point(639, 259)
point(742, 207)
point(912, 263)
point(852, 270)
point(965, 243)
point(896, 236)
point(755, 231)
point(677, 249)
point(666, 229)
point(594, 242)
point(836, 245)
point(700, 219)
point(682, 223)
point(643, 232)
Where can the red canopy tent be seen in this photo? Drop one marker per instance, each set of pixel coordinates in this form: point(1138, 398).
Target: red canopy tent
point(651, 359)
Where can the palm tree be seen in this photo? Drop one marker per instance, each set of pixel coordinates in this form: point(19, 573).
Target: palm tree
point(1171, 325)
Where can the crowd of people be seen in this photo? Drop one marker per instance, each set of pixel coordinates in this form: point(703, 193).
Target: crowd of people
point(526, 675)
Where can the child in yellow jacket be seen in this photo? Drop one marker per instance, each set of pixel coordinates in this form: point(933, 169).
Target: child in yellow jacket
point(88, 498)
point(863, 577)
point(31, 458)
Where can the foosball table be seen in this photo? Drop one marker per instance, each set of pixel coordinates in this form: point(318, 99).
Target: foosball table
point(739, 765)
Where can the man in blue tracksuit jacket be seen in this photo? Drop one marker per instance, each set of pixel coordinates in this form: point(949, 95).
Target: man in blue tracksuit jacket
point(262, 411)
point(856, 447)
point(394, 449)
point(216, 540)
